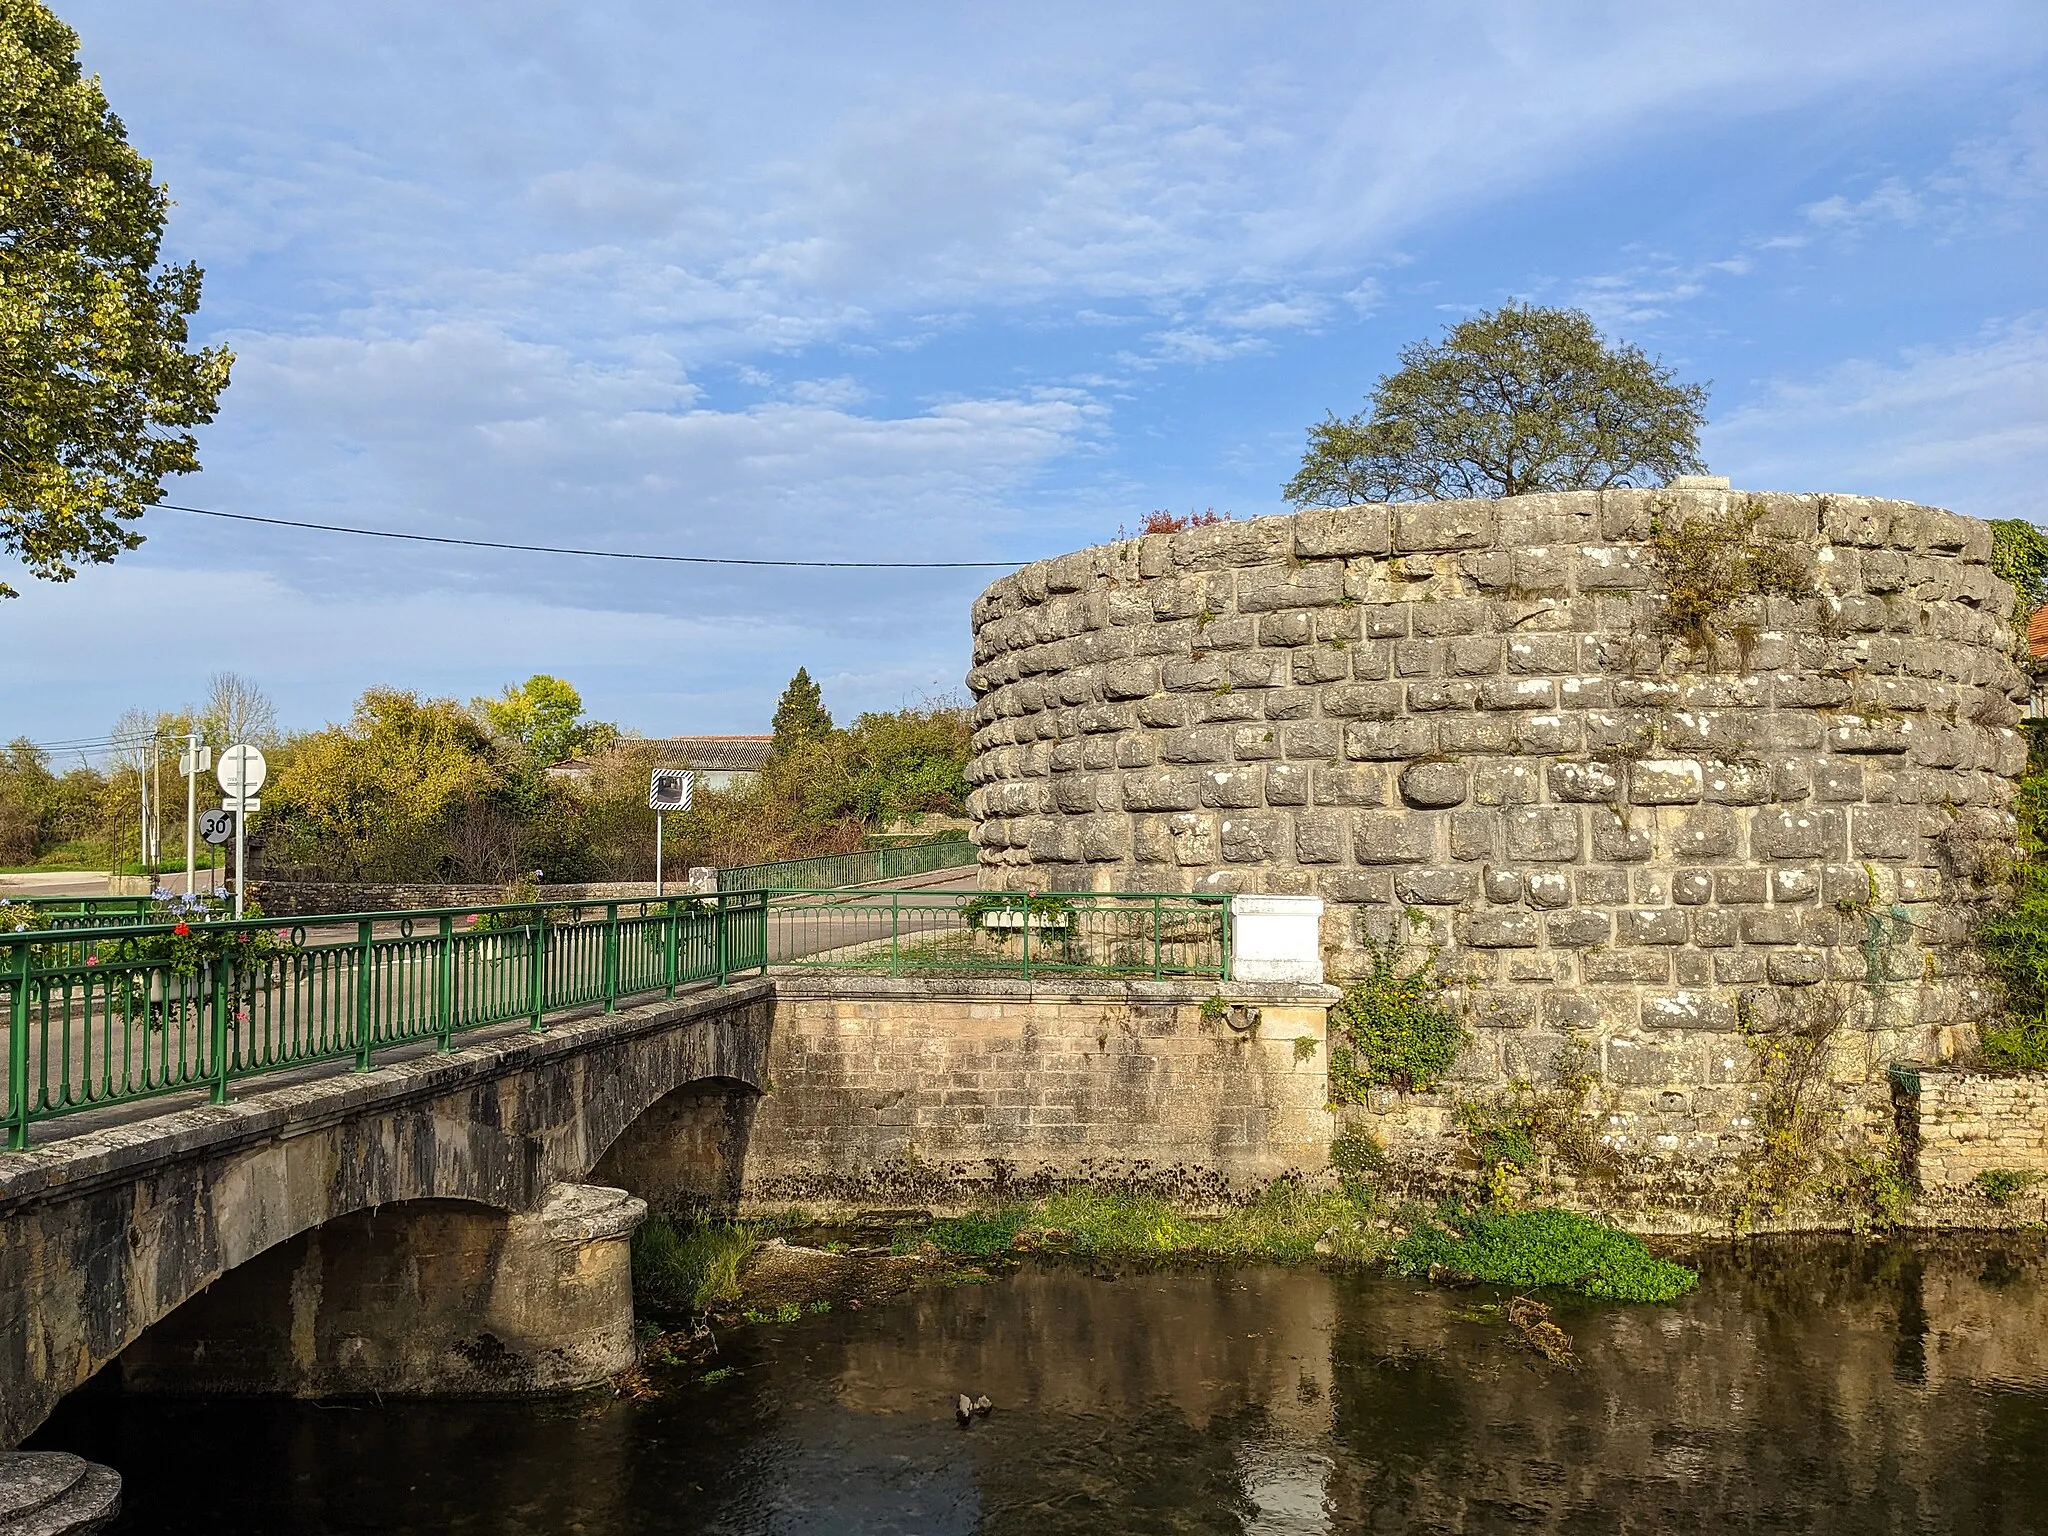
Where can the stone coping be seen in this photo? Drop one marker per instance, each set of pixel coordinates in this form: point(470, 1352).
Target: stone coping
point(1185, 989)
point(74, 1164)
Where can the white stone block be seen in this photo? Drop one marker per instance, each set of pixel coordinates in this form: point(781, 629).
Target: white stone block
point(1276, 938)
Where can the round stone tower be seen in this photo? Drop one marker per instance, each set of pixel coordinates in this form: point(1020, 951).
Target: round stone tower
point(1533, 732)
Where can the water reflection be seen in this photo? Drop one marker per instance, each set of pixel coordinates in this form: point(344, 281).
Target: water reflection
point(1812, 1386)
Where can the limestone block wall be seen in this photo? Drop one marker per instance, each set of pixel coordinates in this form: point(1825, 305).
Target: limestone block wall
point(1967, 1123)
point(941, 1093)
point(1467, 723)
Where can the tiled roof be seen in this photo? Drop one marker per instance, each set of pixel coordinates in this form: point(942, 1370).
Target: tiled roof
point(2037, 633)
point(744, 754)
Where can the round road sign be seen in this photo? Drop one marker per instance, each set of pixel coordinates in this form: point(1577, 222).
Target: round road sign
point(217, 827)
point(241, 771)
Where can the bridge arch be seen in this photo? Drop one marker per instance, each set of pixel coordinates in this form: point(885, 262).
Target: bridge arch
point(686, 1153)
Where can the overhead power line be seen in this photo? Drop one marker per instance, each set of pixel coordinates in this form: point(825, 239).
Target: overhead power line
point(602, 554)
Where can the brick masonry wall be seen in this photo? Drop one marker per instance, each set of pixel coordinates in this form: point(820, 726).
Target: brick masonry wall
point(939, 1093)
point(1470, 711)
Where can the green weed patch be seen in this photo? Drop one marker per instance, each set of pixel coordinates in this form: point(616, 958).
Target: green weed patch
point(1537, 1249)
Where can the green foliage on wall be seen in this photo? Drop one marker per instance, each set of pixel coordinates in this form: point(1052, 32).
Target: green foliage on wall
point(1709, 561)
point(1394, 1027)
point(2014, 938)
point(2019, 555)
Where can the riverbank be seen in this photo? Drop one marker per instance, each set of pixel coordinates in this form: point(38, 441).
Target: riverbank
point(691, 1280)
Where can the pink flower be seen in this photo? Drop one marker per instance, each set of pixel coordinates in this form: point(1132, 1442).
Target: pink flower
point(92, 959)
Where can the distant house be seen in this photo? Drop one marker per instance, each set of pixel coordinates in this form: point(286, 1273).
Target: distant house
point(719, 762)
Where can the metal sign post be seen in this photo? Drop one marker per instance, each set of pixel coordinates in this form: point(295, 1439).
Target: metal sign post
point(241, 773)
point(667, 790)
point(192, 762)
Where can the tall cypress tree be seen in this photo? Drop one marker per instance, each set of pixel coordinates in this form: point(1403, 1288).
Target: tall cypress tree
point(800, 714)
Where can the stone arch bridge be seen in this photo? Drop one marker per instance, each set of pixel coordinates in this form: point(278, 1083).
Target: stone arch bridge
point(453, 1223)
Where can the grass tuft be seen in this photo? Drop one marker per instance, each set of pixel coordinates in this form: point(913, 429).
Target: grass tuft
point(1283, 1224)
point(693, 1267)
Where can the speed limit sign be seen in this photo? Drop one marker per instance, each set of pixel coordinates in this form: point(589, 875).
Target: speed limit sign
point(217, 827)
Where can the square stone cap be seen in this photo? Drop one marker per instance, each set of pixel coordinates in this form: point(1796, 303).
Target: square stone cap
point(1276, 906)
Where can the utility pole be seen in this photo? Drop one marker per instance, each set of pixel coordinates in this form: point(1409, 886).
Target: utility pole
point(156, 802)
point(142, 792)
point(192, 762)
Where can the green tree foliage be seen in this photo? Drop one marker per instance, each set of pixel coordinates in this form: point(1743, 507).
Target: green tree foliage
point(40, 810)
point(375, 799)
point(544, 716)
point(2015, 937)
point(800, 713)
point(886, 767)
point(98, 389)
point(1521, 399)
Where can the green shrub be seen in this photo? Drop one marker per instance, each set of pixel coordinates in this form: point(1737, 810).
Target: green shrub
point(1710, 561)
point(1357, 1156)
point(2001, 1186)
point(2020, 1046)
point(979, 1235)
point(1393, 1028)
point(693, 1267)
point(1533, 1249)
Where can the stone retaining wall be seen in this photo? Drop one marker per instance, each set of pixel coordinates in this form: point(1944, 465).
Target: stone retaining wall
point(941, 1093)
point(1968, 1123)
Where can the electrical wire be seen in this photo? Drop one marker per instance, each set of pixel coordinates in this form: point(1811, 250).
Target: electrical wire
point(601, 554)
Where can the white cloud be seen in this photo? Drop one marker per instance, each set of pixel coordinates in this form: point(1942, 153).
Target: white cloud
point(1964, 426)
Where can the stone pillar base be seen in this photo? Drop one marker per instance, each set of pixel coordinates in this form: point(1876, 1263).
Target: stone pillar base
point(426, 1299)
point(53, 1493)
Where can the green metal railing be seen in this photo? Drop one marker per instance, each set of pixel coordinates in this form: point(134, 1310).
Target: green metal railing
point(833, 870)
point(115, 1016)
point(1044, 934)
point(85, 911)
point(97, 1017)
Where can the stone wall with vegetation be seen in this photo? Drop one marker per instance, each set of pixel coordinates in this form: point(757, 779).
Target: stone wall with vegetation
point(1980, 1139)
point(1691, 797)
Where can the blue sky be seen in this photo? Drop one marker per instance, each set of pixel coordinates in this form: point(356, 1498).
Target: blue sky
point(980, 282)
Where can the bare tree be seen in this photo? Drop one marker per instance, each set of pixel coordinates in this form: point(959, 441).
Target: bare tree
point(237, 710)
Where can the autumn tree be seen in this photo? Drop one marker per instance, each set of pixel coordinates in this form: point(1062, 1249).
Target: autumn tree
point(545, 716)
point(98, 388)
point(1521, 399)
point(378, 798)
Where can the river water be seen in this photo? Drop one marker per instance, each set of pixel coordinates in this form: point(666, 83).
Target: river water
point(1807, 1386)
